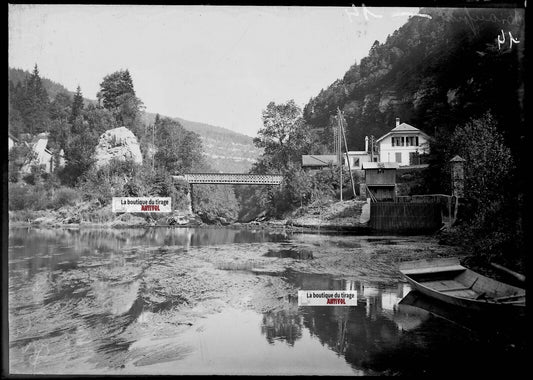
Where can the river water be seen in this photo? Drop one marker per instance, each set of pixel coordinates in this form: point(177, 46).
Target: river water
point(224, 301)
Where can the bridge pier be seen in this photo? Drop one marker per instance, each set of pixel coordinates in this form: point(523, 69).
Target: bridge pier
point(189, 199)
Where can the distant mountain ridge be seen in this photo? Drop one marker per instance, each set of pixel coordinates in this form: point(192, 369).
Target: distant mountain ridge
point(225, 150)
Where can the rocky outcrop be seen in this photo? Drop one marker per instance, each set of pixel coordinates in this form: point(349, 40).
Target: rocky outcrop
point(119, 143)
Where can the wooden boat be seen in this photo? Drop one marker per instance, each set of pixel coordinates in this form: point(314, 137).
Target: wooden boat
point(508, 328)
point(448, 281)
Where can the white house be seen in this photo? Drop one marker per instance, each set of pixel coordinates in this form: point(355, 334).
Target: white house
point(43, 156)
point(402, 144)
point(11, 141)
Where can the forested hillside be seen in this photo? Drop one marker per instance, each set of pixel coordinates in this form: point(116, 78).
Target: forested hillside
point(458, 75)
point(434, 74)
point(74, 127)
point(225, 150)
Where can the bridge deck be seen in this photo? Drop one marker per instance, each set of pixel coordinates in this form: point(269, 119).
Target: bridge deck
point(231, 178)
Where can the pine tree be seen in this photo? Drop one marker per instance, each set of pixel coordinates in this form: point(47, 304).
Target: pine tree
point(77, 105)
point(127, 83)
point(34, 105)
point(118, 96)
point(113, 87)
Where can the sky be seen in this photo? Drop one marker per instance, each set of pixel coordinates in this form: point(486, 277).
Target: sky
point(211, 64)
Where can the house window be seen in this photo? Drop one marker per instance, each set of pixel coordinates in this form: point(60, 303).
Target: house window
point(398, 157)
point(355, 162)
point(398, 141)
point(416, 140)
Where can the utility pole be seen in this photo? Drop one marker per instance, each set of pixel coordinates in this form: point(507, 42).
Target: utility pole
point(338, 151)
point(341, 124)
point(372, 148)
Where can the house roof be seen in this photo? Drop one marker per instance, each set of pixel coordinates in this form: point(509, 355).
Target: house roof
point(40, 147)
point(403, 128)
point(12, 137)
point(380, 165)
point(319, 160)
point(457, 159)
point(39, 137)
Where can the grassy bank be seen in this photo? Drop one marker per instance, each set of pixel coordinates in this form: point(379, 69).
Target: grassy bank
point(92, 213)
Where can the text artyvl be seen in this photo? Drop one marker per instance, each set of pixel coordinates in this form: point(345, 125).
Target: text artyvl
point(327, 298)
point(142, 204)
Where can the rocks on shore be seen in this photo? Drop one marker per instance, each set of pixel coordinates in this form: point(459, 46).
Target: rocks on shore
point(329, 216)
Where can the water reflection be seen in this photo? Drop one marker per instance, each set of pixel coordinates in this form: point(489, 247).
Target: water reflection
point(356, 332)
point(383, 335)
point(103, 299)
point(282, 325)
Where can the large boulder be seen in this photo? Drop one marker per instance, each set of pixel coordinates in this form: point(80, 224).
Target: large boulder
point(119, 143)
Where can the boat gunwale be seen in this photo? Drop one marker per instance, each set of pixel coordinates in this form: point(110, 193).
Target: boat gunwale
point(481, 302)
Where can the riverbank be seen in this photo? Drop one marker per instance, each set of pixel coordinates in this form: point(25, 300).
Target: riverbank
point(348, 217)
point(331, 216)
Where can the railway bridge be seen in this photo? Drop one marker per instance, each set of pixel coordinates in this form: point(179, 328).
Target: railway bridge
point(230, 178)
point(227, 179)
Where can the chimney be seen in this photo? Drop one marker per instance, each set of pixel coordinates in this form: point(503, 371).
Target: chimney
point(366, 144)
point(397, 121)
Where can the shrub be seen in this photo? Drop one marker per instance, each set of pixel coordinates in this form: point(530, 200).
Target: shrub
point(162, 185)
point(28, 197)
point(36, 175)
point(133, 188)
point(117, 179)
point(20, 196)
point(217, 201)
point(100, 215)
point(64, 196)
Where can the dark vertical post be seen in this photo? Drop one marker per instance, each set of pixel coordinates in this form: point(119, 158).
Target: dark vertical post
point(341, 118)
point(457, 176)
point(339, 150)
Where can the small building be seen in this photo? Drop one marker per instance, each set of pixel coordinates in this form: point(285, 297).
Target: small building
point(11, 141)
point(380, 181)
point(43, 156)
point(318, 161)
point(357, 158)
point(403, 145)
